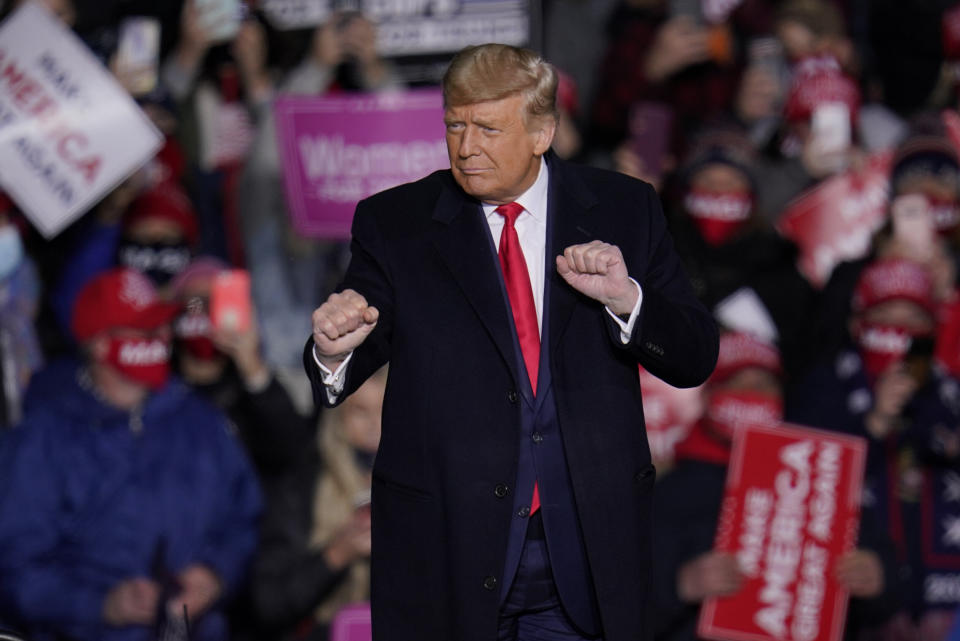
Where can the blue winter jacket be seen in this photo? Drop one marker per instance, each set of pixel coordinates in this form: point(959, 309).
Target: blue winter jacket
point(91, 495)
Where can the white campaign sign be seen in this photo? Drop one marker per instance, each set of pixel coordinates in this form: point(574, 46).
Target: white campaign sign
point(295, 14)
point(68, 132)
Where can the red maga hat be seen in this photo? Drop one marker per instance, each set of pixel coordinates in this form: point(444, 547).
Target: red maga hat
point(739, 350)
point(894, 279)
point(119, 298)
point(817, 81)
point(168, 201)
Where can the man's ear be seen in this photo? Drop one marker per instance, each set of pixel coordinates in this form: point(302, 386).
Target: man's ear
point(546, 129)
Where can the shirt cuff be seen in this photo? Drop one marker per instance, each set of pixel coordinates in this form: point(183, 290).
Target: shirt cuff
point(332, 381)
point(626, 328)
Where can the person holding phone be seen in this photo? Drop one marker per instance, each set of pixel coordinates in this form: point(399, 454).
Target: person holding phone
point(287, 269)
point(217, 350)
point(885, 386)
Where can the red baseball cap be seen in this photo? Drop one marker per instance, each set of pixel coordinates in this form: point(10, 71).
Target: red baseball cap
point(168, 201)
point(119, 298)
point(817, 81)
point(894, 279)
point(739, 350)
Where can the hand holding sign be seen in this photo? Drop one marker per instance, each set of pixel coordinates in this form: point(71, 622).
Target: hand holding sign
point(709, 575)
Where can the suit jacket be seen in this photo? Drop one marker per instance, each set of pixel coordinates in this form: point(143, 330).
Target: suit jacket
point(422, 254)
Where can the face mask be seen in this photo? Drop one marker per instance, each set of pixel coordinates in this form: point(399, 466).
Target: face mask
point(718, 215)
point(881, 346)
point(193, 333)
point(729, 411)
point(144, 360)
point(159, 261)
point(11, 250)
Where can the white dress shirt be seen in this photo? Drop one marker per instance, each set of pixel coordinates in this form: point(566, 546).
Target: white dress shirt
point(531, 226)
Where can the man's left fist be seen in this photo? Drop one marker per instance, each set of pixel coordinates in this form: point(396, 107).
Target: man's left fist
point(596, 269)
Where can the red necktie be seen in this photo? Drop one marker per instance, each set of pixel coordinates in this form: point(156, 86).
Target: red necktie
point(517, 280)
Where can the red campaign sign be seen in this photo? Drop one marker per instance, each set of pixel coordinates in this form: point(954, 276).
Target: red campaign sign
point(835, 220)
point(790, 511)
point(669, 414)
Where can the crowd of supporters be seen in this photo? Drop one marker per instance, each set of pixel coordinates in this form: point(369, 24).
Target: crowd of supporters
point(160, 471)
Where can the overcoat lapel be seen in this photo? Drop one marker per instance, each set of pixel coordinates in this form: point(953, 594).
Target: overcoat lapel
point(462, 239)
point(570, 223)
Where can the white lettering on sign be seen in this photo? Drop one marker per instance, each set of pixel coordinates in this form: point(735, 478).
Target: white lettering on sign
point(324, 156)
point(792, 485)
point(143, 353)
point(757, 507)
point(942, 588)
point(823, 506)
point(810, 591)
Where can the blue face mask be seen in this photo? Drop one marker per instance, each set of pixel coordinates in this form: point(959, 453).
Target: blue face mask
point(11, 251)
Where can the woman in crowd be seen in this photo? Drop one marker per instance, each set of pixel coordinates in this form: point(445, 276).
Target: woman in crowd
point(314, 554)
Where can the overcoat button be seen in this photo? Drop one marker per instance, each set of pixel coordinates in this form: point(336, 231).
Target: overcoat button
point(501, 490)
point(512, 396)
point(489, 582)
point(537, 437)
point(524, 511)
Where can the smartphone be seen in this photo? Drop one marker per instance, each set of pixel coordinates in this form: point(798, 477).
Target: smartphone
point(830, 127)
point(230, 304)
point(138, 54)
point(720, 43)
point(650, 125)
point(221, 18)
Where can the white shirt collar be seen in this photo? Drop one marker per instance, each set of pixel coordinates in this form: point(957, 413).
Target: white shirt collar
point(533, 200)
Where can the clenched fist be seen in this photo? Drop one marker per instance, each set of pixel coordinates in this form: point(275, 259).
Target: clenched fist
point(341, 325)
point(596, 269)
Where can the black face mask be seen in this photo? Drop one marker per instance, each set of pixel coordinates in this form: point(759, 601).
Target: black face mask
point(159, 261)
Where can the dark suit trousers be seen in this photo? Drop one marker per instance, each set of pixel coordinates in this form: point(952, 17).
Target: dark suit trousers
point(532, 611)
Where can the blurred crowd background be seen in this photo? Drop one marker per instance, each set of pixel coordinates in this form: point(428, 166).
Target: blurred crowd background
point(154, 463)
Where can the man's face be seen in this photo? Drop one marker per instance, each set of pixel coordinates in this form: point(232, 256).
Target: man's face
point(494, 155)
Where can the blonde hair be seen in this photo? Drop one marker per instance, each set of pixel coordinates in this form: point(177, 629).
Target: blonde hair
point(481, 73)
point(339, 484)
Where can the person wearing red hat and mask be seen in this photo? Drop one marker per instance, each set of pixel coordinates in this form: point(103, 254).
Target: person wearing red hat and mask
point(226, 366)
point(732, 256)
point(923, 225)
point(745, 389)
point(153, 230)
point(126, 498)
point(885, 386)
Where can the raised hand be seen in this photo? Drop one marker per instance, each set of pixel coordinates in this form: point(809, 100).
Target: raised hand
point(861, 572)
point(596, 269)
point(341, 325)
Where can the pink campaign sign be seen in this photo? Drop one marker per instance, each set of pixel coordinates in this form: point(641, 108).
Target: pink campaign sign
point(352, 623)
point(337, 150)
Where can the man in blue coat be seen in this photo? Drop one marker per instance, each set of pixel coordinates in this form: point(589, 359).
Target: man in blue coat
point(124, 498)
point(513, 296)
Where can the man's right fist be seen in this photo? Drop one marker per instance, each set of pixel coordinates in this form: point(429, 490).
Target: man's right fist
point(340, 325)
